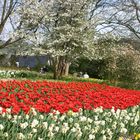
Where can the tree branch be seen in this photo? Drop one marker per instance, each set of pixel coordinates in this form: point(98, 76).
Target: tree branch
point(3, 11)
point(8, 42)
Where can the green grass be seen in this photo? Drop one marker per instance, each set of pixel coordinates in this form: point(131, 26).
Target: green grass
point(25, 74)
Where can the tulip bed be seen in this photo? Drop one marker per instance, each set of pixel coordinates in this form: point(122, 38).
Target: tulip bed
point(44, 110)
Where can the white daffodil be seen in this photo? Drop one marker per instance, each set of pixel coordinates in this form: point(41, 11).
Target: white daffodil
point(20, 136)
point(34, 123)
point(5, 134)
point(104, 137)
point(29, 136)
point(23, 125)
point(70, 120)
point(89, 120)
point(1, 110)
point(27, 116)
point(73, 129)
point(62, 117)
point(98, 110)
point(91, 137)
point(83, 118)
point(19, 117)
point(123, 131)
point(34, 130)
point(50, 134)
point(56, 129)
point(1, 127)
point(40, 138)
point(102, 122)
point(41, 117)
point(51, 127)
point(45, 125)
point(76, 125)
point(9, 116)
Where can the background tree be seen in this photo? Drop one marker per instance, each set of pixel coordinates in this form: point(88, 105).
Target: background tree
point(7, 11)
point(122, 17)
point(121, 60)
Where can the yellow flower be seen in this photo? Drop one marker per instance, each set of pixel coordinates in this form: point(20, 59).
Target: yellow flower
point(69, 113)
point(120, 138)
point(138, 135)
point(123, 138)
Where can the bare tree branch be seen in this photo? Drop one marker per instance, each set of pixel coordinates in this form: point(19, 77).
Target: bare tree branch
point(123, 13)
point(97, 5)
point(3, 11)
point(7, 9)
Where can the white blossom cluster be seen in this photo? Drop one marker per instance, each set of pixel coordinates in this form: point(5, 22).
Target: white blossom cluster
point(57, 26)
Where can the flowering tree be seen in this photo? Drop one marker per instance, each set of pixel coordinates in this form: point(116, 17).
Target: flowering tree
point(58, 28)
point(71, 35)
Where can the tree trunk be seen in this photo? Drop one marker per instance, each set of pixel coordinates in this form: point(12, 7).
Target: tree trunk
point(61, 67)
point(57, 63)
point(67, 69)
point(55, 67)
point(55, 74)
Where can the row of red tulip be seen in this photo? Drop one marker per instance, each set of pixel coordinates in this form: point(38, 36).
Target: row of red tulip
point(44, 96)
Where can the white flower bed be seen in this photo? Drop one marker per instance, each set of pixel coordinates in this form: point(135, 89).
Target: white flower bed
point(8, 73)
point(98, 124)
